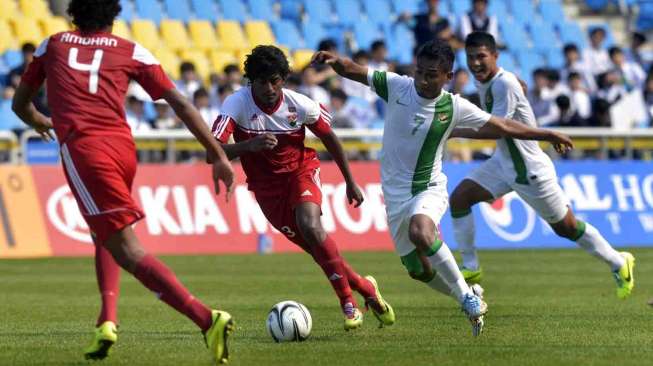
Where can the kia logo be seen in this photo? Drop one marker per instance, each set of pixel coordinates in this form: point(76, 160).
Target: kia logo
point(64, 214)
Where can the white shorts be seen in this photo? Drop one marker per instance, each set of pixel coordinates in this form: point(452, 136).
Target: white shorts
point(544, 196)
point(432, 203)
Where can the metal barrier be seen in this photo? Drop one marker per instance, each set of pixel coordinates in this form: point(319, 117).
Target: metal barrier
point(172, 141)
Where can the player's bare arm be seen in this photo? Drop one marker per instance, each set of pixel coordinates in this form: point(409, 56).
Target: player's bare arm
point(502, 127)
point(222, 169)
point(263, 142)
point(24, 108)
point(469, 133)
point(334, 147)
point(343, 66)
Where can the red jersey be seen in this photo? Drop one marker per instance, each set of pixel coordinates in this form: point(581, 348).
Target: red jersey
point(243, 117)
point(87, 79)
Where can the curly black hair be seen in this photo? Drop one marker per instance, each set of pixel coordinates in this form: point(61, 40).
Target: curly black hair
point(440, 51)
point(93, 15)
point(266, 61)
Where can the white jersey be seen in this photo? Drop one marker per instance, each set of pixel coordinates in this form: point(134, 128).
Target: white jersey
point(521, 160)
point(415, 134)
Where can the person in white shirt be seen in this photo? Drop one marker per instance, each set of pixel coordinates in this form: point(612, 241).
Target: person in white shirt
point(478, 20)
point(573, 63)
point(202, 102)
point(579, 98)
point(419, 119)
point(520, 166)
point(378, 55)
point(632, 75)
point(596, 57)
point(189, 81)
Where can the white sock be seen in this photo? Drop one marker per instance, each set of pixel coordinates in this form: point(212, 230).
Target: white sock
point(438, 284)
point(464, 231)
point(444, 264)
point(594, 243)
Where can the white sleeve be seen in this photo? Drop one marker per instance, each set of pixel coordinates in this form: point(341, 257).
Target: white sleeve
point(231, 107)
point(504, 99)
point(385, 83)
point(469, 115)
point(310, 109)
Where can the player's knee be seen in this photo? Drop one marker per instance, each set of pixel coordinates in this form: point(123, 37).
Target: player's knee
point(420, 237)
point(311, 229)
point(458, 201)
point(565, 230)
point(422, 276)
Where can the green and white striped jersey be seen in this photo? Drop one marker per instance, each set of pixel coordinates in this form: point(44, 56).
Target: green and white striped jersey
point(522, 160)
point(415, 134)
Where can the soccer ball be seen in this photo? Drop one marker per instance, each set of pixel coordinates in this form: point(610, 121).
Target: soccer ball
point(289, 321)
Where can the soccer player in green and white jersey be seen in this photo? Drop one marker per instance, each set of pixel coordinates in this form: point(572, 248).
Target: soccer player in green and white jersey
point(519, 166)
point(419, 120)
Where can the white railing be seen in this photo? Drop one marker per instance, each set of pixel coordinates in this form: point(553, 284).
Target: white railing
point(171, 141)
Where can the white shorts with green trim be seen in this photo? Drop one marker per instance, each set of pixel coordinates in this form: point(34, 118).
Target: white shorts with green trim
point(433, 203)
point(544, 195)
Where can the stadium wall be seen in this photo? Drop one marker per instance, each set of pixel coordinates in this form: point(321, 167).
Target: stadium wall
point(40, 218)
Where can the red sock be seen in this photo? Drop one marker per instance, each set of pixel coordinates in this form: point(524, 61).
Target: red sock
point(358, 283)
point(328, 257)
point(157, 277)
point(107, 273)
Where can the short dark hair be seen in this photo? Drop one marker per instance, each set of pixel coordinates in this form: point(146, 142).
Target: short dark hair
point(200, 93)
point(265, 61)
point(569, 47)
point(377, 44)
point(614, 50)
point(92, 15)
point(230, 68)
point(28, 47)
point(186, 66)
point(639, 37)
point(339, 94)
point(596, 30)
point(480, 39)
point(573, 75)
point(327, 44)
point(360, 54)
point(440, 51)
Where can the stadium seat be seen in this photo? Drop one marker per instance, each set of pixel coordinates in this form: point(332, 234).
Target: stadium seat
point(8, 10)
point(513, 35)
point(301, 59)
point(220, 59)
point(645, 18)
point(203, 35)
point(378, 11)
point(178, 9)
point(174, 34)
point(522, 11)
point(287, 34)
point(460, 62)
point(199, 59)
point(404, 41)
point(7, 39)
point(313, 33)
point(318, 11)
point(554, 58)
point(205, 9)
point(528, 61)
point(231, 35)
point(348, 12)
point(571, 33)
point(406, 6)
point(144, 32)
point(461, 7)
point(149, 9)
point(169, 61)
point(507, 61)
point(497, 8)
point(13, 58)
point(258, 33)
point(292, 10)
point(365, 33)
point(552, 11)
point(27, 30)
point(36, 9)
point(8, 119)
point(54, 25)
point(121, 29)
point(543, 35)
point(597, 5)
point(261, 10)
point(127, 12)
point(233, 10)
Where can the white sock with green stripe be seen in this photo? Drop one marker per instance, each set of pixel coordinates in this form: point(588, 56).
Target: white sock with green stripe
point(444, 264)
point(464, 231)
point(438, 284)
point(590, 239)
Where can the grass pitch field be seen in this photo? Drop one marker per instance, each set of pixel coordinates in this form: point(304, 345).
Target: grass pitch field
point(546, 308)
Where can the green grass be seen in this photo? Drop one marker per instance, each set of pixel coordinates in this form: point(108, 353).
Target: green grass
point(546, 308)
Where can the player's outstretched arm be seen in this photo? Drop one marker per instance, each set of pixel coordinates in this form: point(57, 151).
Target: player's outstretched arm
point(508, 128)
point(222, 169)
point(469, 133)
point(24, 108)
point(344, 66)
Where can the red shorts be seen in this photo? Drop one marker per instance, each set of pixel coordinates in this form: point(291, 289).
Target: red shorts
point(100, 172)
point(279, 201)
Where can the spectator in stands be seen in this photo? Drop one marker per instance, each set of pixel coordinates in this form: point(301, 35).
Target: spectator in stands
point(648, 97)
point(135, 115)
point(631, 74)
point(27, 51)
point(233, 76)
point(596, 57)
point(164, 119)
point(223, 92)
point(355, 89)
point(378, 55)
point(611, 88)
point(573, 63)
point(478, 20)
point(202, 102)
point(554, 86)
point(311, 88)
point(600, 113)
point(634, 54)
point(579, 97)
point(340, 116)
point(431, 25)
point(567, 116)
point(539, 96)
point(190, 81)
point(324, 73)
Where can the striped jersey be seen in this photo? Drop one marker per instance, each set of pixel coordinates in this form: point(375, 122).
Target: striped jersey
point(415, 134)
point(522, 159)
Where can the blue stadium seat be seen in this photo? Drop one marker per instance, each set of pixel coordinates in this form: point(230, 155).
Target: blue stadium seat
point(401, 41)
point(179, 10)
point(287, 34)
point(522, 11)
point(365, 33)
point(149, 9)
point(13, 58)
point(313, 33)
point(205, 9)
point(551, 10)
point(461, 60)
point(645, 18)
point(507, 61)
point(378, 11)
point(513, 35)
point(348, 12)
point(554, 58)
point(406, 6)
point(8, 119)
point(597, 5)
point(291, 9)
point(497, 8)
point(127, 13)
point(571, 33)
point(261, 9)
point(318, 11)
point(233, 10)
point(461, 7)
point(528, 61)
point(543, 35)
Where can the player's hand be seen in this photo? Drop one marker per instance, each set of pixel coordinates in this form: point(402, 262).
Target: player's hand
point(44, 129)
point(324, 57)
point(354, 194)
point(223, 171)
point(266, 141)
point(561, 142)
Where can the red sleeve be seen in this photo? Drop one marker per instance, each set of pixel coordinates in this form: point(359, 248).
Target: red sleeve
point(35, 73)
point(154, 80)
point(223, 127)
point(322, 126)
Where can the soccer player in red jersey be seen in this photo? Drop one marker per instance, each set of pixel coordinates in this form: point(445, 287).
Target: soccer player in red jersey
point(268, 123)
point(88, 71)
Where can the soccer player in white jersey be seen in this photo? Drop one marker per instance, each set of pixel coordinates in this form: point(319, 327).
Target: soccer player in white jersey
point(420, 118)
point(519, 166)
